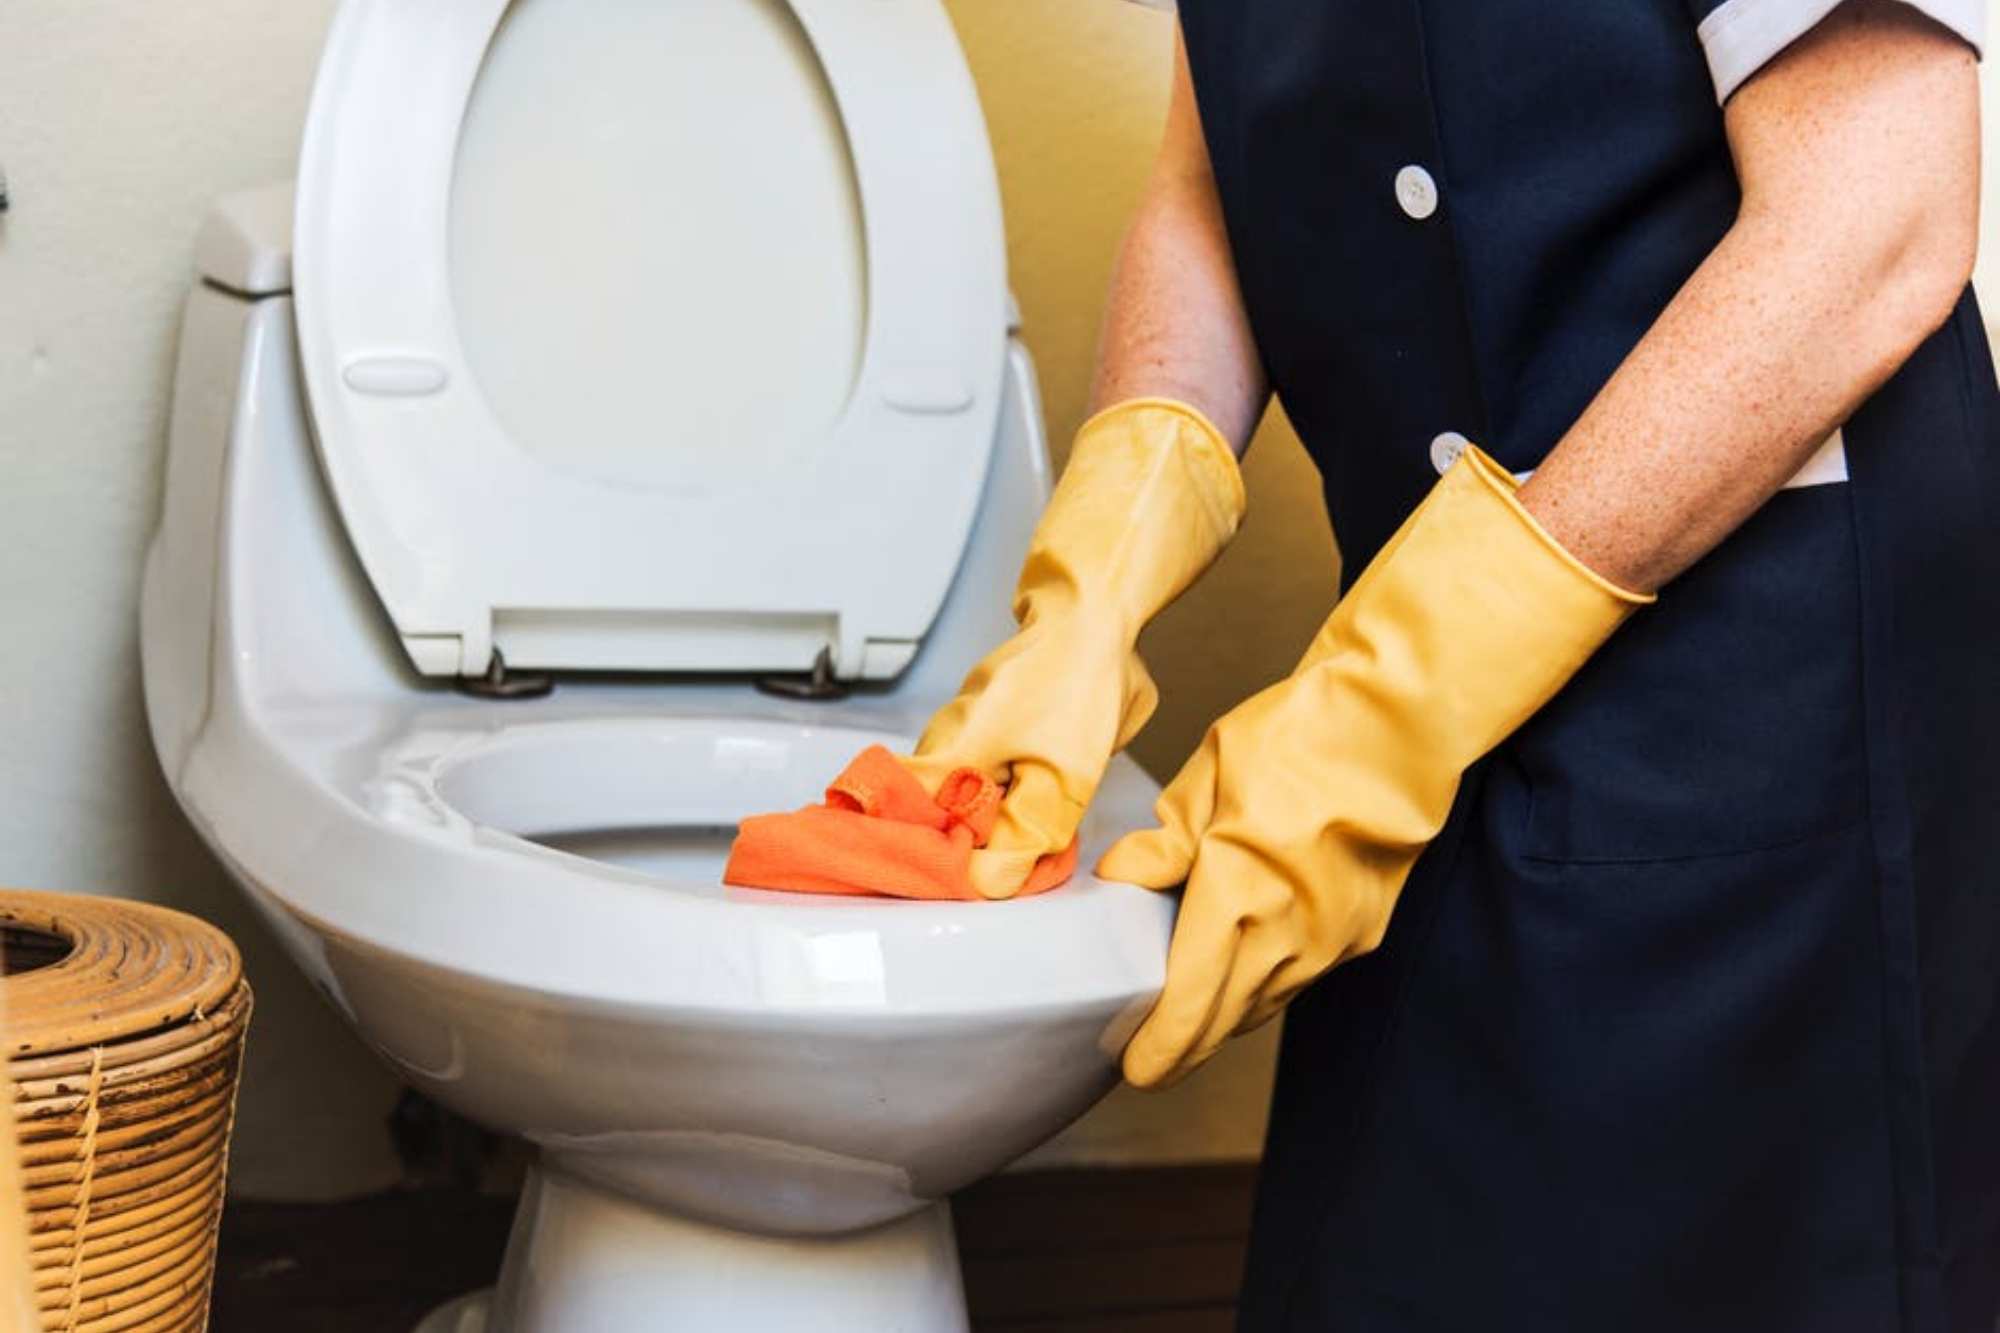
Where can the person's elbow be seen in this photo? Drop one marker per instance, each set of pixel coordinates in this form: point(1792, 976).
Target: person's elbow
point(1858, 153)
point(1921, 272)
point(1912, 198)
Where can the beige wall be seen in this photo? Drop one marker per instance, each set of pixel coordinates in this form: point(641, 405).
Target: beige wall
point(119, 119)
point(1074, 93)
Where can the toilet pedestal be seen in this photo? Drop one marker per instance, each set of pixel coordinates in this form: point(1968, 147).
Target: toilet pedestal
point(583, 1260)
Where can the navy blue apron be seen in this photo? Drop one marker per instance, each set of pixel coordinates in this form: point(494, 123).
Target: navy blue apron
point(1688, 1020)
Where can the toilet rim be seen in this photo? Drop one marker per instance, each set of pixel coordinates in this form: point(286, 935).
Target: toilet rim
point(544, 777)
point(522, 787)
point(288, 806)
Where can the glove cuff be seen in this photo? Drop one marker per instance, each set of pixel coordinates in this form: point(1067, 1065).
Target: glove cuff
point(1208, 453)
point(1149, 498)
point(1506, 486)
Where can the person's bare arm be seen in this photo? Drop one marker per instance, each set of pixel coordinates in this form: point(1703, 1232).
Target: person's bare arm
point(1174, 325)
point(1858, 152)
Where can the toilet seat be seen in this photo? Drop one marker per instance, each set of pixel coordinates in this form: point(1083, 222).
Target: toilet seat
point(845, 542)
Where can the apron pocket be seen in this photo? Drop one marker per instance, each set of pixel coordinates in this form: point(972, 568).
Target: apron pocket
point(1726, 718)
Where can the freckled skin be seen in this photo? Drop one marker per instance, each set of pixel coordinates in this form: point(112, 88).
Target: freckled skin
point(1174, 326)
point(1858, 154)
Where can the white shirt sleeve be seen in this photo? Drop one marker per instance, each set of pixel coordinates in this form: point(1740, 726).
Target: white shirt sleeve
point(1740, 36)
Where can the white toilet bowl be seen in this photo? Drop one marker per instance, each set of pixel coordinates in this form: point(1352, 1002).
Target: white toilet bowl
point(749, 1108)
point(776, 1063)
point(748, 1105)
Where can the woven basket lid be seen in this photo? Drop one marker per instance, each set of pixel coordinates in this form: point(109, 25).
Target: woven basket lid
point(104, 970)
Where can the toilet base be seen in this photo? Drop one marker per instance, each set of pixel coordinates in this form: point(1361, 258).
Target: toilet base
point(583, 1260)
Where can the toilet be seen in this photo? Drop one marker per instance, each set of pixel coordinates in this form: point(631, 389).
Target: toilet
point(618, 424)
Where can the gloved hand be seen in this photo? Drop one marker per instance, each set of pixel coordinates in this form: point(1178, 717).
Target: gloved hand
point(1297, 821)
point(1150, 497)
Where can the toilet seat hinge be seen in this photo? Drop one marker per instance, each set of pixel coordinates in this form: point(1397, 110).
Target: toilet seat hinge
point(500, 683)
point(820, 685)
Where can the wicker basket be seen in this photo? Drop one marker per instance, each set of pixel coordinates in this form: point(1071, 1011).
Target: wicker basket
point(124, 1036)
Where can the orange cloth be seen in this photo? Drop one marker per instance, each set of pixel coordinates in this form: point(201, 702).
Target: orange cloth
point(881, 833)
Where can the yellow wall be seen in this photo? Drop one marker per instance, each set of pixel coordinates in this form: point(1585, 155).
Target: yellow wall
point(1074, 93)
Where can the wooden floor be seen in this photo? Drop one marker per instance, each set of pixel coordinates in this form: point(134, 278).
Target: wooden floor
point(1155, 1251)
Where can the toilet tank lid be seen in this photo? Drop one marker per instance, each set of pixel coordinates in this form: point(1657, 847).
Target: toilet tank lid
point(636, 538)
point(245, 243)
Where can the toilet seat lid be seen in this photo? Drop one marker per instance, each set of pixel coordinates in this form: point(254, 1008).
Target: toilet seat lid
point(651, 337)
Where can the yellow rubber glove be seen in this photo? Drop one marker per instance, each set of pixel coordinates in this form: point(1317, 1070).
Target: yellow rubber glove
point(1296, 823)
point(1150, 497)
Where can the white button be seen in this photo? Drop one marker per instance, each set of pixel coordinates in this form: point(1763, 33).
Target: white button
point(1445, 450)
point(1416, 192)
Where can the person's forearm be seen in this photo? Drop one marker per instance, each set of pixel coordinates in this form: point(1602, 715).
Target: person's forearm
point(1859, 151)
point(1174, 324)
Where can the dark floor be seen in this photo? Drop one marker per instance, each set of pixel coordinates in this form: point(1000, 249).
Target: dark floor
point(1155, 1251)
